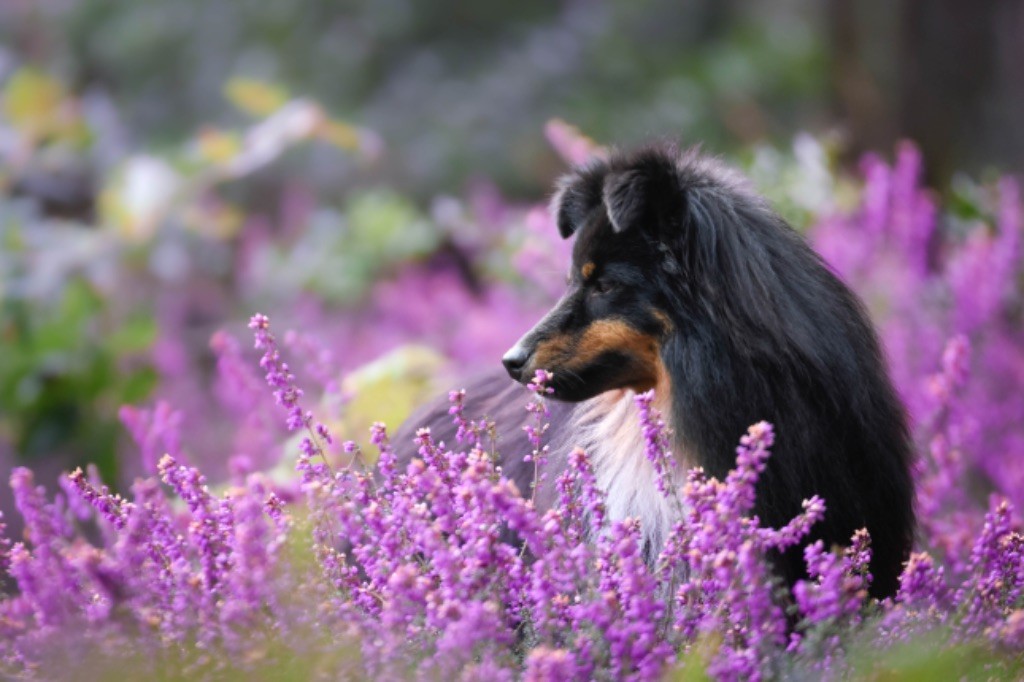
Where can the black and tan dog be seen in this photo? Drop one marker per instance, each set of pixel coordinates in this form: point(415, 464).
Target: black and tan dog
point(685, 281)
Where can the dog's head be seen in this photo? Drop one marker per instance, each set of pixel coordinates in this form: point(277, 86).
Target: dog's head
point(672, 249)
point(607, 330)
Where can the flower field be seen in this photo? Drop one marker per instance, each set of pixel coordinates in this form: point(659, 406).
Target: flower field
point(234, 508)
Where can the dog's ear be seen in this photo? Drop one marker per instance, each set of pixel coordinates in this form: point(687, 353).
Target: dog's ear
point(624, 198)
point(642, 194)
point(570, 208)
point(573, 202)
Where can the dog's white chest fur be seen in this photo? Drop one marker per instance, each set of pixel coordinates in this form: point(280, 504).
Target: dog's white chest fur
point(608, 429)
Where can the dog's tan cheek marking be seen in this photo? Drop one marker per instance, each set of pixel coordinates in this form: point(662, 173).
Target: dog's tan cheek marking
point(613, 335)
point(549, 352)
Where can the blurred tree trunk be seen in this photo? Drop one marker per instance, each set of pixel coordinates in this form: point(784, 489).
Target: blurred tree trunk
point(947, 74)
point(859, 95)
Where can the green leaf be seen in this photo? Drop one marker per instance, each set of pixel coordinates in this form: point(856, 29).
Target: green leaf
point(136, 334)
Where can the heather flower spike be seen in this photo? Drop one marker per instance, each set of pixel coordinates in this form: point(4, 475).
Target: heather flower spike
point(287, 393)
point(535, 432)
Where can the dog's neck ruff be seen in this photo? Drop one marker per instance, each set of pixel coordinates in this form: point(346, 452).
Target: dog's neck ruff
point(608, 429)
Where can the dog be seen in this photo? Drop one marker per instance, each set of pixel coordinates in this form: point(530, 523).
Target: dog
point(684, 280)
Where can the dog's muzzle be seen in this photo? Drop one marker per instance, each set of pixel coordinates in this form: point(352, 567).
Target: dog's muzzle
point(515, 360)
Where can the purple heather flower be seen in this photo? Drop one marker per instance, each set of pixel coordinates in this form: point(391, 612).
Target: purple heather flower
point(212, 521)
point(658, 446)
point(110, 507)
point(464, 428)
point(156, 432)
point(837, 587)
point(797, 529)
point(923, 598)
point(535, 431)
point(287, 393)
point(240, 389)
point(996, 576)
point(386, 460)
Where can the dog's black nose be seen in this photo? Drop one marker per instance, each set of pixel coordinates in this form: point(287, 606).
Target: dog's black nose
point(514, 361)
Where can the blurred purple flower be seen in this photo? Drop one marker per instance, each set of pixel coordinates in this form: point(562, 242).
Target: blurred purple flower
point(155, 431)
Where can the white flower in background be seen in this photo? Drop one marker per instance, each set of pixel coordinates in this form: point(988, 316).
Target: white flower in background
point(141, 195)
point(295, 121)
point(799, 180)
point(813, 183)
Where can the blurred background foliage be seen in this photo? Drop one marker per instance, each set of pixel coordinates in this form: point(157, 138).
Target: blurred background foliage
point(457, 89)
point(372, 173)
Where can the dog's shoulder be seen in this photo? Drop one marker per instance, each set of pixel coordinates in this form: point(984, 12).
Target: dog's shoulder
point(493, 396)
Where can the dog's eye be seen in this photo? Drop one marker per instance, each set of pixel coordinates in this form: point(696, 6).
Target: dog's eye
point(603, 286)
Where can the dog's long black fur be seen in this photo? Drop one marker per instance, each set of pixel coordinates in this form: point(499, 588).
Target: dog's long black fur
point(684, 280)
